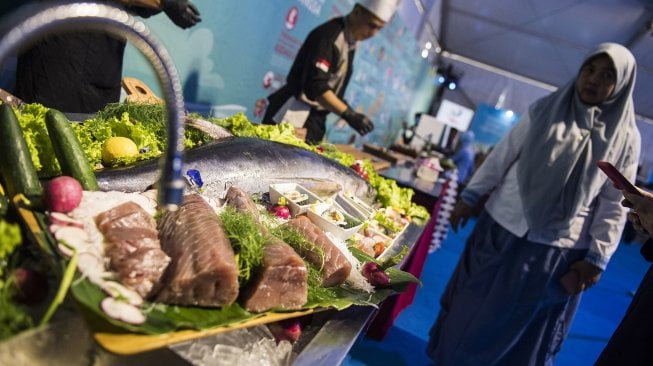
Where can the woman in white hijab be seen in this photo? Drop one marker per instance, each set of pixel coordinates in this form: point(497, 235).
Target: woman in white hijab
point(550, 212)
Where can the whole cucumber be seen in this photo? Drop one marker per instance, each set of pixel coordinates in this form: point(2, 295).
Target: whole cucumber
point(69, 151)
point(16, 166)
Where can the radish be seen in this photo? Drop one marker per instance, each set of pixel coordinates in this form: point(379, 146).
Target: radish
point(32, 286)
point(375, 275)
point(70, 239)
point(61, 219)
point(119, 310)
point(63, 194)
point(282, 212)
point(280, 209)
point(91, 266)
point(286, 330)
point(120, 292)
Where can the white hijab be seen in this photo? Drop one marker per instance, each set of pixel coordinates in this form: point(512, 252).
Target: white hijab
point(557, 165)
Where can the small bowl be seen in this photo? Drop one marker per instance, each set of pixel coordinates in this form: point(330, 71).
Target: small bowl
point(343, 230)
point(352, 208)
point(289, 190)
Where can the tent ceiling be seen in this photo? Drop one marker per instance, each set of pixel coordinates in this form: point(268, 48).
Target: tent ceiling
point(547, 40)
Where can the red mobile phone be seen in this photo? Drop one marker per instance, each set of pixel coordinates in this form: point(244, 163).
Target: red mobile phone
point(617, 178)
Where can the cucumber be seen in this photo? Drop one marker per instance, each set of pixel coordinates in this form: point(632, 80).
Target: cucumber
point(4, 206)
point(16, 167)
point(68, 150)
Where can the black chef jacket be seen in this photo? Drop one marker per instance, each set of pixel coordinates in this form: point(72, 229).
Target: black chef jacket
point(324, 62)
point(73, 72)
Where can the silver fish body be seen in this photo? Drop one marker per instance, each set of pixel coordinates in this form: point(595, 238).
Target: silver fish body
point(250, 163)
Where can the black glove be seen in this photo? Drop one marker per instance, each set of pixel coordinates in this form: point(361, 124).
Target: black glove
point(182, 12)
point(143, 12)
point(358, 121)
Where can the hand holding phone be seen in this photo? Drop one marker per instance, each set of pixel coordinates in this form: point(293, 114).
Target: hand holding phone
point(617, 178)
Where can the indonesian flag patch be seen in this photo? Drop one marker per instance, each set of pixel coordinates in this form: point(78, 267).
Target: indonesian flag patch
point(322, 64)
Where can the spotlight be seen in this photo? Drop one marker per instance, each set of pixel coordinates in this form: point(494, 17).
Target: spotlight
point(448, 77)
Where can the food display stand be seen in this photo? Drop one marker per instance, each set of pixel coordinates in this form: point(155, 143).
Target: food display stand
point(426, 192)
point(68, 338)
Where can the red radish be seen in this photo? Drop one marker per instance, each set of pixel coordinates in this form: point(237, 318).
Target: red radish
point(32, 286)
point(375, 275)
point(286, 330)
point(63, 194)
point(282, 212)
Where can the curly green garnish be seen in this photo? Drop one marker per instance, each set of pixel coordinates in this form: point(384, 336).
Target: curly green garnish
point(246, 239)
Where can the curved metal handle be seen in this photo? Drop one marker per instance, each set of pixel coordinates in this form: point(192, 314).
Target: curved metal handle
point(115, 21)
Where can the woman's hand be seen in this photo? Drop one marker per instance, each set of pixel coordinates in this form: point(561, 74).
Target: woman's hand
point(461, 211)
point(642, 205)
point(588, 274)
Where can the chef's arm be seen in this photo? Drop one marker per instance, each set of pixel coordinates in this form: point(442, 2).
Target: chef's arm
point(181, 12)
point(332, 103)
point(358, 121)
point(149, 4)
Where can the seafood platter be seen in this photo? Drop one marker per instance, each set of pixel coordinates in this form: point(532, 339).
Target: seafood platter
point(258, 238)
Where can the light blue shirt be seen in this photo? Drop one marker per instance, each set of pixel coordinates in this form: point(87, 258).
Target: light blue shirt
point(596, 227)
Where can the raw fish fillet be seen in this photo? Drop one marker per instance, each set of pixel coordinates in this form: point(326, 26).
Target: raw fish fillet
point(336, 267)
point(240, 200)
point(281, 282)
point(203, 270)
point(128, 214)
point(133, 248)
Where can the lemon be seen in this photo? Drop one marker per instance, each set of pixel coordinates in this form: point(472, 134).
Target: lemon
point(118, 147)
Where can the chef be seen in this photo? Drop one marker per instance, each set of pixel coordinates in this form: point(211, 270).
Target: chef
point(81, 71)
point(321, 71)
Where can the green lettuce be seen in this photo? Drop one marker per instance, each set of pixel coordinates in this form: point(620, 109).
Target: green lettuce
point(32, 119)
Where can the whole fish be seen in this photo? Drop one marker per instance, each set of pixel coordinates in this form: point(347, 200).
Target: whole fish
point(250, 163)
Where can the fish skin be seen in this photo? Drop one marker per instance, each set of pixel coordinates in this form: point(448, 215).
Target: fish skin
point(216, 132)
point(250, 163)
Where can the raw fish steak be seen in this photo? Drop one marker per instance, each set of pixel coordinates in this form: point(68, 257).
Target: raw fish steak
point(203, 270)
point(281, 282)
point(335, 266)
point(132, 246)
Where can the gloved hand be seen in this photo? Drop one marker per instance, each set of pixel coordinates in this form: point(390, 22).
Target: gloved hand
point(358, 121)
point(182, 12)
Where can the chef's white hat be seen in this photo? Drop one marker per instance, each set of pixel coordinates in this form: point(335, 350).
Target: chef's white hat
point(383, 9)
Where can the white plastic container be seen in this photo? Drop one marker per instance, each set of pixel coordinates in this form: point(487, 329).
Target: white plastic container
point(352, 207)
point(343, 230)
point(286, 189)
point(429, 169)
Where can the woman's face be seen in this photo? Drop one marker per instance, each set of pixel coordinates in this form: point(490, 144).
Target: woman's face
point(596, 80)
